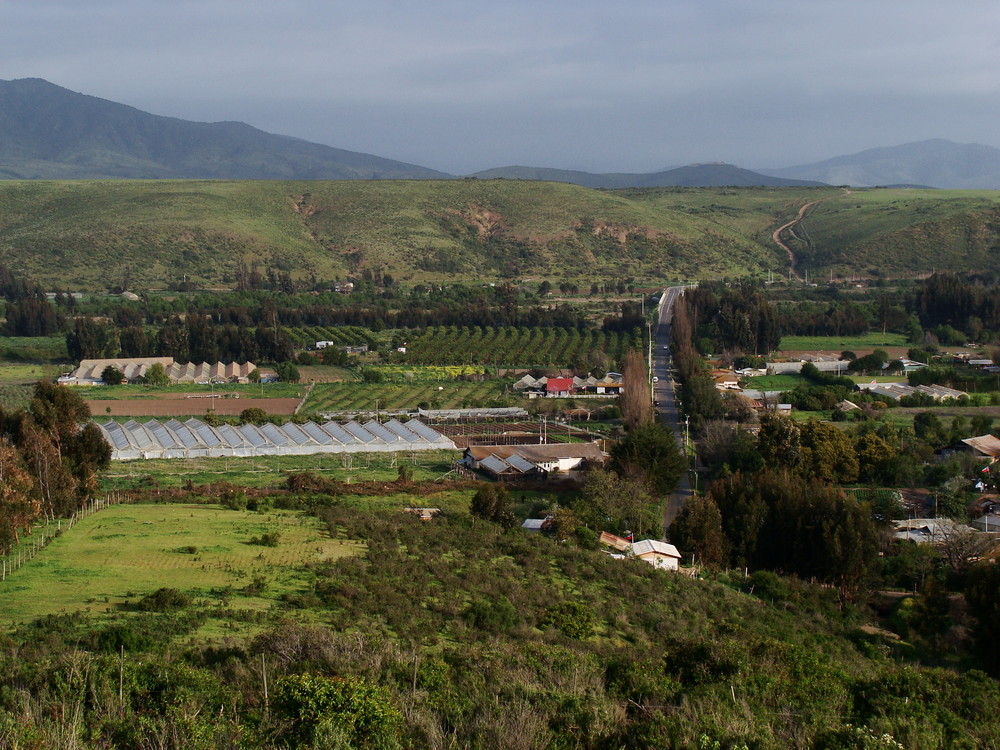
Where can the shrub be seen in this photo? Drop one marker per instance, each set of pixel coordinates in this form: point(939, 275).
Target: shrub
point(572, 619)
point(164, 600)
point(269, 539)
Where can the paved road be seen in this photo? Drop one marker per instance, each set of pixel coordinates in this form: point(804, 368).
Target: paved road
point(663, 394)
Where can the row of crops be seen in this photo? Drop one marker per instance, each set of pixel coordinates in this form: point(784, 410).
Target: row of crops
point(521, 347)
point(307, 336)
point(326, 397)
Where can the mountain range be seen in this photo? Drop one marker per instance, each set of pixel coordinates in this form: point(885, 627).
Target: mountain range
point(49, 132)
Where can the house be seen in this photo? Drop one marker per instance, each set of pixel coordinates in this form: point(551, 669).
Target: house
point(324, 344)
point(924, 529)
point(610, 383)
point(726, 380)
point(989, 523)
point(537, 524)
point(984, 446)
point(135, 368)
point(343, 287)
point(620, 543)
point(660, 555)
point(424, 514)
point(558, 387)
point(516, 461)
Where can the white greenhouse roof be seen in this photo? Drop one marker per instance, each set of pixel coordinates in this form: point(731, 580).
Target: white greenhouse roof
point(195, 438)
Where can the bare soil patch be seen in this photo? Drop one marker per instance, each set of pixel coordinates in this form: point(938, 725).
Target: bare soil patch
point(190, 407)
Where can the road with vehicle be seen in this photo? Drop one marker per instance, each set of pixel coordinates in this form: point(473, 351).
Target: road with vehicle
point(665, 397)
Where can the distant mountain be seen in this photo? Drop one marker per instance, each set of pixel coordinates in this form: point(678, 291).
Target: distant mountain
point(934, 163)
point(50, 132)
point(694, 175)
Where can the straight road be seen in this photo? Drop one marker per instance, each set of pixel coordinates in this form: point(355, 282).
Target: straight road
point(665, 397)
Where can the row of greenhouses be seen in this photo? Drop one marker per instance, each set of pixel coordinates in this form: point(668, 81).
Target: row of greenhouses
point(196, 439)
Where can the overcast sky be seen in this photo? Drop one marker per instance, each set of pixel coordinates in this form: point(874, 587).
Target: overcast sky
point(466, 85)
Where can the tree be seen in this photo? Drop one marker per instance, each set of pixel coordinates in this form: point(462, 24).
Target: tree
point(827, 453)
point(609, 502)
point(779, 441)
point(697, 532)
point(650, 454)
point(111, 375)
point(156, 374)
point(287, 372)
point(982, 592)
point(492, 503)
point(874, 456)
point(635, 399)
point(19, 505)
point(336, 711)
point(253, 415)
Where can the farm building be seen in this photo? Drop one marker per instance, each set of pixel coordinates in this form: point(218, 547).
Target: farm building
point(196, 439)
point(661, 555)
point(134, 368)
point(521, 461)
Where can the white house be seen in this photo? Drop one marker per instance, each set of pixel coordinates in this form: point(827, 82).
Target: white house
point(660, 555)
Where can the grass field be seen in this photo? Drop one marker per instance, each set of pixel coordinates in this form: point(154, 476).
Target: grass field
point(857, 344)
point(245, 390)
point(119, 554)
point(270, 471)
point(775, 382)
point(447, 394)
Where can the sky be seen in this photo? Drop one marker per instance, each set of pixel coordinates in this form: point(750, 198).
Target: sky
point(634, 86)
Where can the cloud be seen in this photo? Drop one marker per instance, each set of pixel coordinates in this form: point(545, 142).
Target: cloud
point(587, 84)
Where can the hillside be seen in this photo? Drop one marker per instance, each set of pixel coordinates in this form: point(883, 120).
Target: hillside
point(73, 232)
point(900, 231)
point(49, 132)
point(159, 233)
point(693, 175)
point(933, 163)
point(445, 633)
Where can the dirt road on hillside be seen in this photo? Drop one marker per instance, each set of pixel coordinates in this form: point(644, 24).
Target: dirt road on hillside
point(776, 236)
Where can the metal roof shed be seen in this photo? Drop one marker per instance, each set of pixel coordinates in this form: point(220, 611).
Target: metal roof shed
point(262, 446)
point(172, 447)
point(411, 437)
point(122, 448)
point(432, 436)
point(142, 440)
point(388, 436)
point(193, 447)
point(234, 441)
point(298, 435)
point(349, 442)
point(325, 441)
point(284, 445)
point(371, 442)
point(208, 436)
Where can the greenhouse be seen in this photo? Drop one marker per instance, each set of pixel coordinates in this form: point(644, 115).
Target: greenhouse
point(195, 439)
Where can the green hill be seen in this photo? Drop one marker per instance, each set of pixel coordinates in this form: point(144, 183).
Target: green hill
point(49, 132)
point(85, 234)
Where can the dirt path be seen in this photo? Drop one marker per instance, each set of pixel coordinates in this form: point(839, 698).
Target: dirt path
point(776, 236)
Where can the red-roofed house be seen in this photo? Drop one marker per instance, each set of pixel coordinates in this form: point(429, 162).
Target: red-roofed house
point(558, 387)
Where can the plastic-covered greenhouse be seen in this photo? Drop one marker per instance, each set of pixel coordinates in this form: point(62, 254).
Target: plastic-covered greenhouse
point(196, 439)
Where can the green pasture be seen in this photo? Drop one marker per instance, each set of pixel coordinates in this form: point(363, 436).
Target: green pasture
point(448, 394)
point(117, 555)
point(864, 342)
point(33, 348)
point(776, 382)
point(271, 471)
point(245, 390)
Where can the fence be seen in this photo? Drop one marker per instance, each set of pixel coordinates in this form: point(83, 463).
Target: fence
point(26, 550)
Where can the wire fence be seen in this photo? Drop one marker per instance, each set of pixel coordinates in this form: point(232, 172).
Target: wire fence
point(43, 534)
